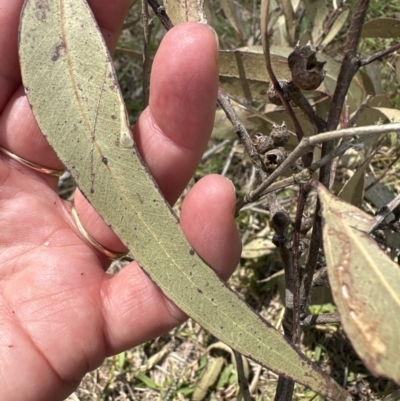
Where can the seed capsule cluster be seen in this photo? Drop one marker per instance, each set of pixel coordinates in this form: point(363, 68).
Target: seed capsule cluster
point(272, 146)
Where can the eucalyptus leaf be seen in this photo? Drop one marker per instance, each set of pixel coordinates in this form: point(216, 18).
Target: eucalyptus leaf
point(381, 28)
point(230, 11)
point(365, 285)
point(316, 12)
point(260, 246)
point(289, 19)
point(209, 378)
point(185, 11)
point(72, 87)
point(335, 28)
point(393, 115)
point(353, 189)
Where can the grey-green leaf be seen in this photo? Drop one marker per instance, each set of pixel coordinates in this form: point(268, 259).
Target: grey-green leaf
point(353, 189)
point(72, 87)
point(365, 284)
point(381, 28)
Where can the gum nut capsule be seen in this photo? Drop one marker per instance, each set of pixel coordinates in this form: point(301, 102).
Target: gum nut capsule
point(263, 143)
point(307, 72)
point(272, 94)
point(274, 158)
point(280, 134)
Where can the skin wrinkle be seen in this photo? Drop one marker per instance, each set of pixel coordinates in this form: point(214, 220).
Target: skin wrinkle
point(81, 299)
point(17, 322)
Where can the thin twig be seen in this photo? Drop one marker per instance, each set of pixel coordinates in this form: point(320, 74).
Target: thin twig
point(214, 149)
point(383, 175)
point(356, 115)
point(323, 318)
point(300, 100)
point(240, 130)
point(161, 14)
point(384, 212)
point(272, 76)
point(147, 28)
point(379, 55)
point(229, 159)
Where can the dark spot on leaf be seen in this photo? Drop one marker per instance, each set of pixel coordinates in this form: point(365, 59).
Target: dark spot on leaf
point(199, 291)
point(113, 116)
point(104, 160)
point(42, 7)
point(58, 48)
point(191, 251)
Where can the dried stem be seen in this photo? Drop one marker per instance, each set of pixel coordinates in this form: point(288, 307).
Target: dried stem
point(147, 28)
point(240, 130)
point(161, 14)
point(324, 318)
point(291, 325)
point(384, 212)
point(379, 55)
point(299, 99)
point(278, 89)
point(349, 67)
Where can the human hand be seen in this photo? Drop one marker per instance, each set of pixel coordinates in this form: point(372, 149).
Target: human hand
point(60, 313)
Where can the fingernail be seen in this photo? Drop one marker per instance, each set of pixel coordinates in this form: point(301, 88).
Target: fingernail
point(233, 185)
point(214, 32)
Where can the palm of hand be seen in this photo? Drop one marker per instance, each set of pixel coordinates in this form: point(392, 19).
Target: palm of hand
point(53, 290)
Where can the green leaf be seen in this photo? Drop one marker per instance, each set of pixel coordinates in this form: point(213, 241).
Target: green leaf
point(353, 189)
point(365, 284)
point(336, 27)
point(147, 381)
point(210, 376)
point(230, 10)
point(316, 11)
point(381, 28)
point(71, 85)
point(393, 115)
point(260, 246)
